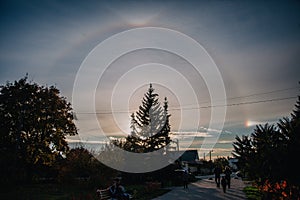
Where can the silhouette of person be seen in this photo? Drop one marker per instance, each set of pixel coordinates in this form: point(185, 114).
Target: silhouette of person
point(117, 191)
point(217, 172)
point(223, 183)
point(227, 172)
point(185, 179)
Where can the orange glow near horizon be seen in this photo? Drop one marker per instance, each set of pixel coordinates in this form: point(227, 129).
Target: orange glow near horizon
point(249, 123)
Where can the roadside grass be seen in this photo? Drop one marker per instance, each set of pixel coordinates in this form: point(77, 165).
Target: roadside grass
point(252, 193)
point(139, 192)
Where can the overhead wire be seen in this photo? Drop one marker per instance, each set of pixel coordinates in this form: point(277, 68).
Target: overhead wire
point(213, 106)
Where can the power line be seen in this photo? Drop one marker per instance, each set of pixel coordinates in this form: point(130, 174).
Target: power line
point(254, 94)
point(263, 93)
point(244, 103)
point(212, 106)
point(202, 107)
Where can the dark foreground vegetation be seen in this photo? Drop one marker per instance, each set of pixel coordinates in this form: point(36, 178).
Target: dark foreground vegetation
point(51, 191)
point(37, 163)
point(268, 157)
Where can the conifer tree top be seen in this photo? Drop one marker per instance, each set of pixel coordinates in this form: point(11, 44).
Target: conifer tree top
point(150, 124)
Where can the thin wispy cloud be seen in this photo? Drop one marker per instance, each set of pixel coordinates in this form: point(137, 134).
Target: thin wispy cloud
point(189, 134)
point(86, 141)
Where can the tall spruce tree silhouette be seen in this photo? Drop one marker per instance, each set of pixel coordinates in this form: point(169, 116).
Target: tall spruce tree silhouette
point(150, 128)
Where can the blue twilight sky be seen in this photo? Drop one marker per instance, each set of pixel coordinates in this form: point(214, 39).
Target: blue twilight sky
point(255, 44)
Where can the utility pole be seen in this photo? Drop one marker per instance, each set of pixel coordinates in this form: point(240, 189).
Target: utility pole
point(210, 154)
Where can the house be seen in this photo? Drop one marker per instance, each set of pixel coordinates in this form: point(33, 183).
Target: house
point(233, 163)
point(188, 159)
point(189, 156)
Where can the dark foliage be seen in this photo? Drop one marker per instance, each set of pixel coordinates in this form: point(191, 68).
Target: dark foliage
point(268, 156)
point(34, 123)
point(150, 128)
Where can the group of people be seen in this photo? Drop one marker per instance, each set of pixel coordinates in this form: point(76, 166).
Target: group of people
point(117, 190)
point(226, 178)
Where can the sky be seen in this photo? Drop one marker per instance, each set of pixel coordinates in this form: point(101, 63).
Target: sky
point(255, 46)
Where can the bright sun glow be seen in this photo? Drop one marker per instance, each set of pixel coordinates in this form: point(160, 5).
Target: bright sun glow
point(250, 123)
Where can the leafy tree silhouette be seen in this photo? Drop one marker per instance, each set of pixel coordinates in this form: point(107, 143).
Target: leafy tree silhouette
point(34, 123)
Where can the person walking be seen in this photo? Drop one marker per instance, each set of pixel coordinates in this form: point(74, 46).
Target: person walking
point(223, 183)
point(185, 179)
point(227, 173)
point(217, 172)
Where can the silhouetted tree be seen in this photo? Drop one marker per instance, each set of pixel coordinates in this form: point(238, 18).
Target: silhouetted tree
point(81, 165)
point(150, 128)
point(243, 151)
point(291, 128)
point(221, 161)
point(268, 143)
point(268, 156)
point(34, 123)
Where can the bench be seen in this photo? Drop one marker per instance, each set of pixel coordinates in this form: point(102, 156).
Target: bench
point(103, 194)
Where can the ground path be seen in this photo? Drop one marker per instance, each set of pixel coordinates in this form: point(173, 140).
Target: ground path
point(206, 189)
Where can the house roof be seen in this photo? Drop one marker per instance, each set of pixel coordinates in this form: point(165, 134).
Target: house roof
point(189, 156)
